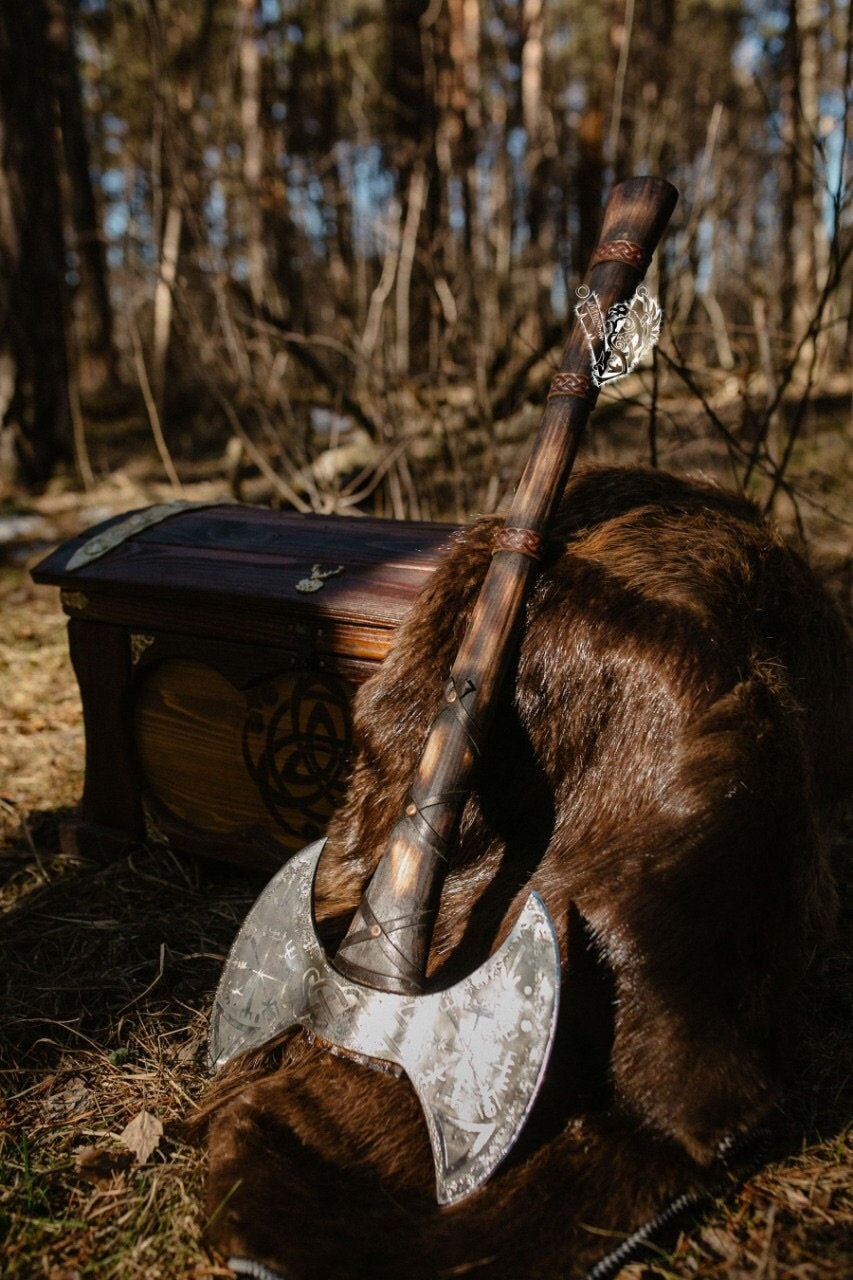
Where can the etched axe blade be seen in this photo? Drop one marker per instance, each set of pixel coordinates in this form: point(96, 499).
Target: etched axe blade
point(475, 1052)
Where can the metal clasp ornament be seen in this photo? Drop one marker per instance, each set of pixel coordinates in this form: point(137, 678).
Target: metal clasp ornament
point(318, 577)
point(625, 334)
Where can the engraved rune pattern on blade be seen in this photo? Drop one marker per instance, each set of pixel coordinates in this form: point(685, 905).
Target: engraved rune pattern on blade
point(475, 1053)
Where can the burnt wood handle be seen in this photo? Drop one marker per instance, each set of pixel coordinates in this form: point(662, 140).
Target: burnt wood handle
point(387, 944)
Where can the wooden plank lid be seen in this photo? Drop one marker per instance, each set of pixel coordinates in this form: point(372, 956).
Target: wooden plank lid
point(248, 564)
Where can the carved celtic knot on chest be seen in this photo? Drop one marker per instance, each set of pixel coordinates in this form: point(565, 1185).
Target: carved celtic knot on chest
point(298, 750)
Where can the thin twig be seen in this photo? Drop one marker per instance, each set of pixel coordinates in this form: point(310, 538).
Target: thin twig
point(151, 406)
point(619, 85)
point(277, 481)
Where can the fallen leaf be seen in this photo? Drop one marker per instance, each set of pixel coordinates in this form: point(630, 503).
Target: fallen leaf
point(142, 1135)
point(99, 1166)
point(74, 1097)
point(189, 1052)
point(722, 1242)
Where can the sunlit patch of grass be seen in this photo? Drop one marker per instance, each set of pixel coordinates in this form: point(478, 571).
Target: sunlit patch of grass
point(63, 1212)
point(142, 1225)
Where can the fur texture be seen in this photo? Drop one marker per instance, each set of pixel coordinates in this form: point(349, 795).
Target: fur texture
point(664, 772)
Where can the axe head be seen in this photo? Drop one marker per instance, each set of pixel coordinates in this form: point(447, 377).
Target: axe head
point(475, 1052)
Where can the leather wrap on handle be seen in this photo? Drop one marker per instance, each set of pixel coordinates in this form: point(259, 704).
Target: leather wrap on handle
point(387, 944)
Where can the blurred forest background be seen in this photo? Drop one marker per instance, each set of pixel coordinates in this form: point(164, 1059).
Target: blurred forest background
point(328, 250)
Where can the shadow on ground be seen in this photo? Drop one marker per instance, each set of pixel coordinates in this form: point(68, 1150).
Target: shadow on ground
point(89, 948)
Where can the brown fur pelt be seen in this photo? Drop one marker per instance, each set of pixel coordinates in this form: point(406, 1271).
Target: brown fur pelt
point(663, 771)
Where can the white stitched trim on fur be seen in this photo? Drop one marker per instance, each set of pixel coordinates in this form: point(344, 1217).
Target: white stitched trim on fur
point(256, 1270)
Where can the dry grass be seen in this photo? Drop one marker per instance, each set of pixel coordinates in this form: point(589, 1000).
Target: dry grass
point(108, 971)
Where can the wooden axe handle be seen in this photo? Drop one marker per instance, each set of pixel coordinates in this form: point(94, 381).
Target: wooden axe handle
point(387, 944)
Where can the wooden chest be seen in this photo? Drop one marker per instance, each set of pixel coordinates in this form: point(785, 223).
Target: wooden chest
point(218, 650)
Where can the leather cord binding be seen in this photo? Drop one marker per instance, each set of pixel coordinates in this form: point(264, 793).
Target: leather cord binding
point(376, 928)
point(633, 255)
point(527, 542)
point(572, 384)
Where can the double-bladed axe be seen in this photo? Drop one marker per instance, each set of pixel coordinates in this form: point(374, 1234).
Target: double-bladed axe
point(474, 1052)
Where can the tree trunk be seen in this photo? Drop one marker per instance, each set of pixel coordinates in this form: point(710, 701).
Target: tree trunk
point(804, 239)
point(35, 415)
point(539, 162)
point(93, 313)
point(589, 181)
point(182, 178)
point(411, 89)
point(253, 146)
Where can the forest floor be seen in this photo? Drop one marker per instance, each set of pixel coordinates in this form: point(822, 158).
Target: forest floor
point(109, 970)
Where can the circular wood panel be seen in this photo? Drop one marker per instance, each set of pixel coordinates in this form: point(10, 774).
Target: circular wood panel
point(274, 756)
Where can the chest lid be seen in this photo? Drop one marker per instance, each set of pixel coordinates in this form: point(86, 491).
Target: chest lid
point(243, 572)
